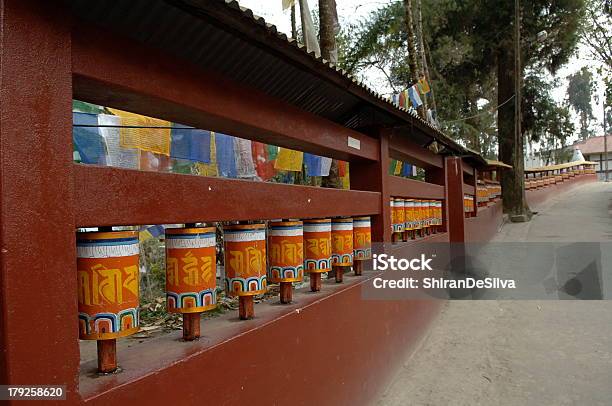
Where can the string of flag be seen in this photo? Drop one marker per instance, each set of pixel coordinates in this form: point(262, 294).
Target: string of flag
point(133, 141)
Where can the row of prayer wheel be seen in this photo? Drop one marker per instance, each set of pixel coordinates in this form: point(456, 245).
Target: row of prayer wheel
point(108, 271)
point(468, 205)
point(412, 218)
point(487, 192)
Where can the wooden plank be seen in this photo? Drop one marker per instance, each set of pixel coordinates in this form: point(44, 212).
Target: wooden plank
point(120, 73)
point(112, 196)
point(410, 188)
point(468, 189)
point(401, 148)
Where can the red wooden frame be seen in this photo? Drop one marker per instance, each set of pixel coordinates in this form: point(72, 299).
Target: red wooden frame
point(46, 60)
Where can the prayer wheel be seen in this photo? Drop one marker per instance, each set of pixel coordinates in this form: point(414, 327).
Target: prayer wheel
point(191, 275)
point(285, 255)
point(108, 290)
point(397, 218)
point(245, 264)
point(342, 246)
point(317, 250)
point(418, 215)
point(409, 219)
point(362, 240)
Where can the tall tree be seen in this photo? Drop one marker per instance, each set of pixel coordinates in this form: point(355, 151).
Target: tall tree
point(328, 28)
point(471, 42)
point(580, 89)
point(413, 60)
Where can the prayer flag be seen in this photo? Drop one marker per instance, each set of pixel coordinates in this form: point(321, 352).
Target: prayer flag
point(424, 86)
point(289, 160)
point(209, 169)
point(190, 143)
point(317, 165)
point(226, 160)
point(117, 156)
point(245, 167)
point(155, 140)
point(263, 165)
point(414, 97)
point(87, 140)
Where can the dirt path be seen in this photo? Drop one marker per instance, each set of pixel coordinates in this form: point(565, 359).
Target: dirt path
point(521, 352)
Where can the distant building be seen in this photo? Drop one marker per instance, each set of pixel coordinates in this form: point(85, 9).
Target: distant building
point(593, 150)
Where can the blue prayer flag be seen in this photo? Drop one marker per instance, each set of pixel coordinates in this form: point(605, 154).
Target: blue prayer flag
point(87, 140)
point(226, 160)
point(190, 143)
point(406, 169)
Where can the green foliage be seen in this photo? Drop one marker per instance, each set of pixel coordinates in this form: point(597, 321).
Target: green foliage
point(463, 40)
point(580, 91)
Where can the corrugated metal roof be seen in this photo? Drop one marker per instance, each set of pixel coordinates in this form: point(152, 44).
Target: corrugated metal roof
point(221, 36)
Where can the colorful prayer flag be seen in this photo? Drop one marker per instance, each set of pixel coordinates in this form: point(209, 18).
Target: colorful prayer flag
point(150, 139)
point(211, 168)
point(245, 167)
point(424, 86)
point(116, 155)
point(226, 160)
point(289, 160)
point(414, 97)
point(190, 143)
point(317, 165)
point(87, 140)
point(263, 164)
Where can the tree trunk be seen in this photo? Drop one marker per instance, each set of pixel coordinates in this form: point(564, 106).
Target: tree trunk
point(510, 151)
point(293, 25)
point(421, 62)
point(327, 30)
point(412, 54)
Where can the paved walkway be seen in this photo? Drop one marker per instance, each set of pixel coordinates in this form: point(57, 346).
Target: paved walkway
point(521, 352)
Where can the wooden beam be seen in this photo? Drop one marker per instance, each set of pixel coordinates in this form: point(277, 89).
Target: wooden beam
point(409, 188)
point(116, 72)
point(112, 196)
point(403, 149)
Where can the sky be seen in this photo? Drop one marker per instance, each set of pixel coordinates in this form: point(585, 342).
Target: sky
point(350, 11)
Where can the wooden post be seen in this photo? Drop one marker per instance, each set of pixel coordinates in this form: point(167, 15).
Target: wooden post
point(107, 356)
point(339, 273)
point(246, 308)
point(315, 282)
point(358, 267)
point(191, 326)
point(286, 292)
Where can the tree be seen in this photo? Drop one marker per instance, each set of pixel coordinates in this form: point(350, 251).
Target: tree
point(328, 28)
point(413, 60)
point(580, 91)
point(473, 60)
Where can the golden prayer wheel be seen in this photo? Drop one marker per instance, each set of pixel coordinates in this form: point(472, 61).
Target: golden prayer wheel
point(342, 245)
point(108, 284)
point(191, 275)
point(285, 251)
point(191, 269)
point(285, 255)
point(245, 264)
point(362, 242)
point(108, 290)
point(317, 250)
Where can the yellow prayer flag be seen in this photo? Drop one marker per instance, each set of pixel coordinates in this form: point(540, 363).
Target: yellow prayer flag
point(424, 86)
point(147, 139)
point(346, 179)
point(398, 168)
point(209, 169)
point(289, 160)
